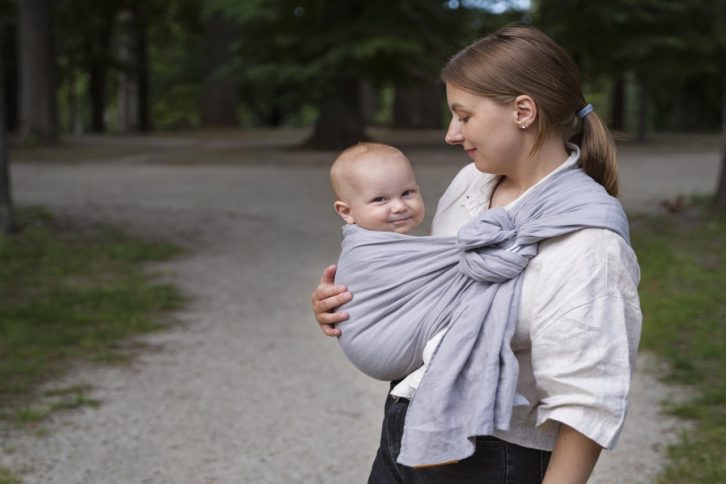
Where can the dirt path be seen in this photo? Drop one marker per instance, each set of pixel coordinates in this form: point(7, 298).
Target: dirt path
point(245, 389)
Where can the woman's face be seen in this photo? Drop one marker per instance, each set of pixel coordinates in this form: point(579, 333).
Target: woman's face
point(487, 130)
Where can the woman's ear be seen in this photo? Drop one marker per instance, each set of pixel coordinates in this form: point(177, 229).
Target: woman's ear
point(525, 111)
point(344, 211)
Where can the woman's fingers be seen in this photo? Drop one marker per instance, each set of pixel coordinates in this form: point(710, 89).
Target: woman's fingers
point(326, 297)
point(328, 276)
point(324, 292)
point(330, 330)
point(328, 320)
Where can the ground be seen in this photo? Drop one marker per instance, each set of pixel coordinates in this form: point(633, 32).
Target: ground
point(246, 389)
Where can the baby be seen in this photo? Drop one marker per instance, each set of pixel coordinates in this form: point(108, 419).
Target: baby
point(375, 188)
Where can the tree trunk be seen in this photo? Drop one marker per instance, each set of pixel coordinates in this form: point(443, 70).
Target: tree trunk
point(98, 57)
point(418, 106)
point(10, 78)
point(127, 90)
point(141, 28)
point(340, 120)
point(719, 200)
point(219, 93)
point(642, 128)
point(368, 102)
point(37, 96)
point(617, 104)
point(6, 204)
point(97, 95)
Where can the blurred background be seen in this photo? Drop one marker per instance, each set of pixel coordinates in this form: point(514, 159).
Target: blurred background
point(122, 66)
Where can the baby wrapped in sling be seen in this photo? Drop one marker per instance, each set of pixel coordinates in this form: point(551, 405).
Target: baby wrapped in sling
point(406, 289)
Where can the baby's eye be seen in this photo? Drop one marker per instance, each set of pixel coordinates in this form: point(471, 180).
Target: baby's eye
point(379, 199)
point(408, 193)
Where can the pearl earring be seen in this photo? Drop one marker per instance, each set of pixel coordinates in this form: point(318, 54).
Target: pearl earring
point(522, 125)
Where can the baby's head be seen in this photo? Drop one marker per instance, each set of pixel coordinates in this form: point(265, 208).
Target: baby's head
point(376, 189)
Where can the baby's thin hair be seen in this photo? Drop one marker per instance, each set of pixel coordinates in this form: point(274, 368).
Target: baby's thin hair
point(341, 165)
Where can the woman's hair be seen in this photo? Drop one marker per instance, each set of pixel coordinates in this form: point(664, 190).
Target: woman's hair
point(519, 60)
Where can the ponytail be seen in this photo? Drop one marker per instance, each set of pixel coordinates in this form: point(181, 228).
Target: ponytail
point(598, 153)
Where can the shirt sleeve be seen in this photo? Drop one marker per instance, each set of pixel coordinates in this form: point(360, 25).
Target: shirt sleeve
point(584, 345)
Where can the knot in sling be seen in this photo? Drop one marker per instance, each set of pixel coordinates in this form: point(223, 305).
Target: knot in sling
point(482, 242)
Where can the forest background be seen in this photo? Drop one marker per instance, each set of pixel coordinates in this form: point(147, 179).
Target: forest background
point(79, 66)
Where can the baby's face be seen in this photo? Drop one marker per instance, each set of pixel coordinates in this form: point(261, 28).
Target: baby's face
point(386, 197)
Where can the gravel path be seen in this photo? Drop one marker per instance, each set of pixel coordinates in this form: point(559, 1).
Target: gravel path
point(245, 389)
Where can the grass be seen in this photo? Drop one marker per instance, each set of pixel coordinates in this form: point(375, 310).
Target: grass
point(71, 293)
point(8, 477)
point(683, 296)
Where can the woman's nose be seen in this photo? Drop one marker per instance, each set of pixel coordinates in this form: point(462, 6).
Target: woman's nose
point(453, 134)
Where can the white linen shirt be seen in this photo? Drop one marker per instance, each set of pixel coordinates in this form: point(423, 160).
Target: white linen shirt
point(578, 329)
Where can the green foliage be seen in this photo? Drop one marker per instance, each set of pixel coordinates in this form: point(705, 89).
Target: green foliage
point(175, 58)
point(290, 52)
point(7, 477)
point(682, 291)
point(70, 292)
point(641, 35)
point(672, 46)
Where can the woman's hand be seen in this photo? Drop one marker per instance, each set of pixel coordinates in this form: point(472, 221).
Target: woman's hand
point(327, 297)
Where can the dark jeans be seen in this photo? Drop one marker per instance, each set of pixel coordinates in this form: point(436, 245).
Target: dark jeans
point(494, 462)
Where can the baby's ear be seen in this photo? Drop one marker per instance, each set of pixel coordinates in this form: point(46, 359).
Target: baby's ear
point(344, 211)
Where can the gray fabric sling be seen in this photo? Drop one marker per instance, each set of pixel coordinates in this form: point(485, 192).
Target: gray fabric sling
point(406, 289)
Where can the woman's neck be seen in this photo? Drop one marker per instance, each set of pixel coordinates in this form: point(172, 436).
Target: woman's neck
point(528, 172)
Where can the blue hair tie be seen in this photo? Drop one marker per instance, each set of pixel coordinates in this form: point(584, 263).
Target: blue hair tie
point(584, 111)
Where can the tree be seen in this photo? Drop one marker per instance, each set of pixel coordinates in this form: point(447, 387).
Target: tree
point(37, 86)
point(9, 54)
point(663, 45)
point(324, 51)
point(418, 105)
point(219, 91)
point(85, 33)
point(142, 13)
point(720, 198)
point(97, 57)
point(6, 204)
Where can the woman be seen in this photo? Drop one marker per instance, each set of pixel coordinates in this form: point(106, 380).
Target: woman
point(519, 113)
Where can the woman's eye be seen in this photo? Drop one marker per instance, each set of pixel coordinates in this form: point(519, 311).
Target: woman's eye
point(463, 119)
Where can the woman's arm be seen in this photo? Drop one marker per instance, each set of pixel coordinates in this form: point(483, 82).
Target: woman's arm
point(573, 458)
point(328, 296)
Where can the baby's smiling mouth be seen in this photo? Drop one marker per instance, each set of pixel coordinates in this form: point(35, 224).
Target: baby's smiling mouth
point(400, 220)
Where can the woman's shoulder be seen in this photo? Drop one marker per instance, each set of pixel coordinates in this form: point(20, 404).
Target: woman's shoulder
point(586, 264)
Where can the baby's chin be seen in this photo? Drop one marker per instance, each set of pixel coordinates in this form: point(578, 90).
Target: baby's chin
point(400, 228)
point(404, 228)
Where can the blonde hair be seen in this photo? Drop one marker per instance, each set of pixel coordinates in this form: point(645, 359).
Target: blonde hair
point(519, 60)
point(341, 169)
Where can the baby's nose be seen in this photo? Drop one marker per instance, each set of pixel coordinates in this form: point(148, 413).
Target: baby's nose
point(397, 205)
